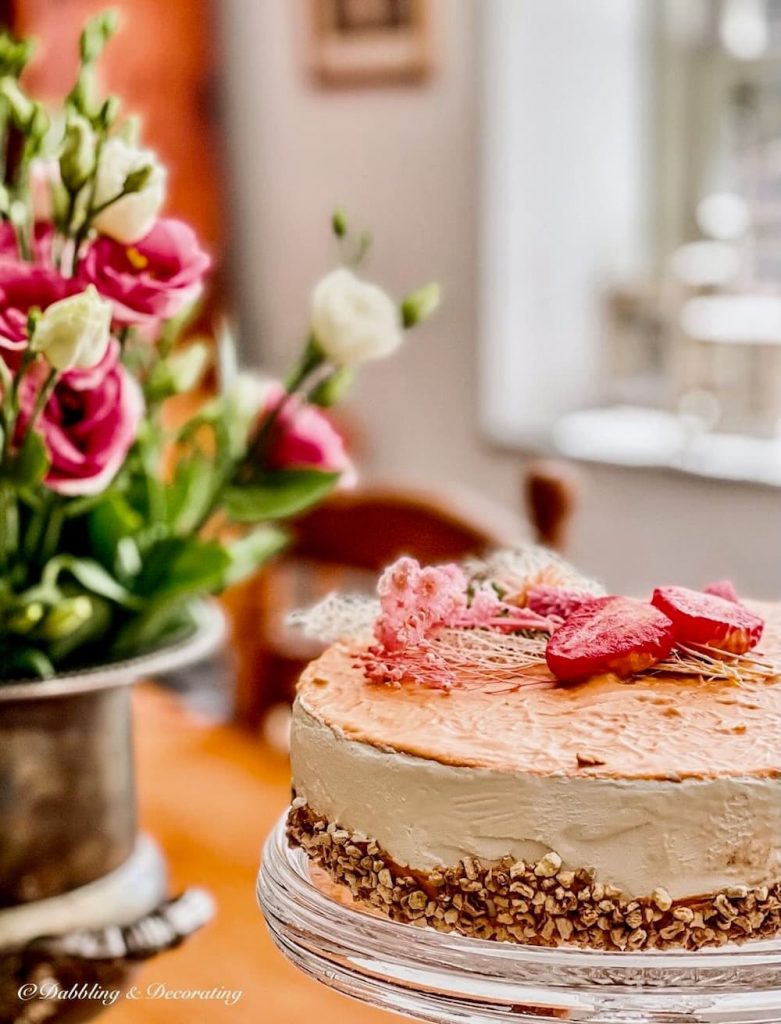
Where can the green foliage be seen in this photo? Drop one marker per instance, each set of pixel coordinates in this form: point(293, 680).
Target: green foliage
point(278, 496)
point(32, 462)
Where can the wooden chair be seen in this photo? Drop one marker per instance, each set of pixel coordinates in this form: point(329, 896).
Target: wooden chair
point(344, 544)
point(551, 490)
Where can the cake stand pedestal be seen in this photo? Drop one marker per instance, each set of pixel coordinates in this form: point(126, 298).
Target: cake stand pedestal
point(451, 979)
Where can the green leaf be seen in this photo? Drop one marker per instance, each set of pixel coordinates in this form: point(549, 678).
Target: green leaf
point(190, 494)
point(179, 566)
point(128, 560)
point(92, 576)
point(32, 462)
point(279, 496)
point(249, 553)
point(162, 622)
point(108, 524)
point(25, 662)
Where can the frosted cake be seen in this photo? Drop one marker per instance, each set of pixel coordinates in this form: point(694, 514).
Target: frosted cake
point(507, 753)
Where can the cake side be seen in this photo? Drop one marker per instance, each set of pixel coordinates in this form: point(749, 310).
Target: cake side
point(669, 853)
point(518, 760)
point(690, 837)
point(540, 903)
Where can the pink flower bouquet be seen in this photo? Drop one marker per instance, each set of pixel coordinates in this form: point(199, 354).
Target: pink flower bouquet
point(112, 525)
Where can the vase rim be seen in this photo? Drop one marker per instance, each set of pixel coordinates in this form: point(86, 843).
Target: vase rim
point(208, 633)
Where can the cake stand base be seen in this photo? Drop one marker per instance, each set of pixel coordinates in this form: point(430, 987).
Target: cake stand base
point(449, 978)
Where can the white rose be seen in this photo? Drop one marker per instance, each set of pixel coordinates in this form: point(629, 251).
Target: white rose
point(352, 320)
point(131, 217)
point(74, 332)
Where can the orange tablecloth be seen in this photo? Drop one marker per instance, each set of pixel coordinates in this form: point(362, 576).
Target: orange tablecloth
point(210, 795)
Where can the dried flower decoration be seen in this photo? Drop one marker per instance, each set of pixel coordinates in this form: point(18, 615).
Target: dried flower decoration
point(488, 625)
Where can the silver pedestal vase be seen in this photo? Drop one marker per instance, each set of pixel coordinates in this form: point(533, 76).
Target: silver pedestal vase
point(81, 891)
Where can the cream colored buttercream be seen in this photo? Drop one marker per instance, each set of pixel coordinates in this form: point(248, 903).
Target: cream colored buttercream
point(691, 837)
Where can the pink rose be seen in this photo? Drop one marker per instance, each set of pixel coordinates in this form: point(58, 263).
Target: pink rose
point(22, 286)
point(151, 280)
point(303, 438)
point(88, 424)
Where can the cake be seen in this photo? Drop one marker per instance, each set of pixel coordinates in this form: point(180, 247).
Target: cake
point(627, 810)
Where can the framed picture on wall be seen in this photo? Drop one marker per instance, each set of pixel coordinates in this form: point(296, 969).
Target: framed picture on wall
point(370, 42)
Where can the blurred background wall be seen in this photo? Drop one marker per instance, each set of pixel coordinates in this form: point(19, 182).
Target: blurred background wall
point(412, 162)
point(404, 162)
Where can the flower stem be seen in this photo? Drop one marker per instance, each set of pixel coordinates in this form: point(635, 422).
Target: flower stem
point(43, 397)
point(310, 361)
point(9, 522)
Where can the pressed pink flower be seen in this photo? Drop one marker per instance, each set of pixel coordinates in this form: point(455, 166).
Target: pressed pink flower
point(414, 600)
point(150, 280)
point(416, 603)
point(419, 665)
point(88, 424)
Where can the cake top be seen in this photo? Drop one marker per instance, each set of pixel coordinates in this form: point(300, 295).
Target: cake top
point(552, 678)
point(654, 727)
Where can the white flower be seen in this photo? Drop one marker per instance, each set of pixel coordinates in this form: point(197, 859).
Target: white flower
point(131, 217)
point(74, 332)
point(352, 320)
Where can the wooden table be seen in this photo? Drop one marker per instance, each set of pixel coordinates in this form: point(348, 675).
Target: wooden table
point(210, 795)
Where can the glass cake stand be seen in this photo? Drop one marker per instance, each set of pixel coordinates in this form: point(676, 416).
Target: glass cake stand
point(449, 978)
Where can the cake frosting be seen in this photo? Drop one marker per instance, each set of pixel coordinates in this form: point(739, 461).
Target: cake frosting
point(640, 812)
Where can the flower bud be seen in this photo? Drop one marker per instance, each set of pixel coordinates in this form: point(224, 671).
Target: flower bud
point(14, 54)
point(39, 122)
point(108, 112)
point(420, 304)
point(137, 176)
point(339, 223)
point(25, 619)
point(20, 107)
point(77, 161)
point(74, 332)
point(83, 97)
point(130, 130)
point(66, 617)
point(96, 34)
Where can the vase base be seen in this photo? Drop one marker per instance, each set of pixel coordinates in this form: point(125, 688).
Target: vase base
point(121, 897)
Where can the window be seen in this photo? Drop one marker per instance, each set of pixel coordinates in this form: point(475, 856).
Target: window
point(632, 231)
